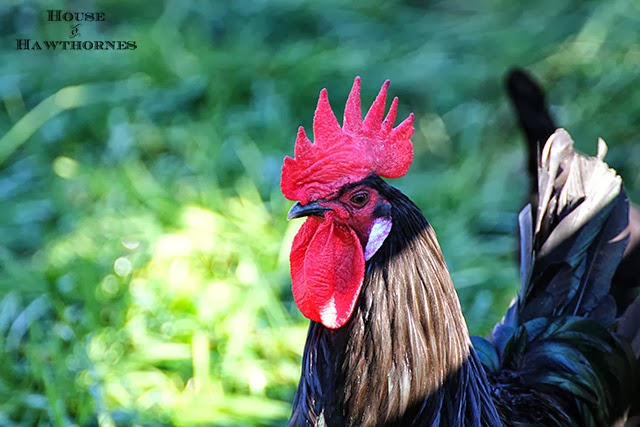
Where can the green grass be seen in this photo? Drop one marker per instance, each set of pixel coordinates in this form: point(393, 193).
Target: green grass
point(144, 251)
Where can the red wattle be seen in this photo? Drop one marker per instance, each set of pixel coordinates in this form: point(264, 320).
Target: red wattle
point(327, 271)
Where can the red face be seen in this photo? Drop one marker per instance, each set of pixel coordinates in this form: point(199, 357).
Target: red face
point(330, 250)
point(355, 209)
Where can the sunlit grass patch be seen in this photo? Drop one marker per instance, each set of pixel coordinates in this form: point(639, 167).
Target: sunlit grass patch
point(206, 320)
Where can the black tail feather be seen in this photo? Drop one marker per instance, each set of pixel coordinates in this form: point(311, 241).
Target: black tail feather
point(554, 349)
point(571, 248)
point(530, 105)
point(537, 124)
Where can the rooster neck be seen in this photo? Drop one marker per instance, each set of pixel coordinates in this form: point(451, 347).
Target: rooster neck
point(406, 346)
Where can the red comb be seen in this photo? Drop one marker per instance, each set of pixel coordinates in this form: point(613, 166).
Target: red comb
point(344, 155)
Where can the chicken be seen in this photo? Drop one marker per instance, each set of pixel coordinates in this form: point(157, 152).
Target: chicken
point(388, 343)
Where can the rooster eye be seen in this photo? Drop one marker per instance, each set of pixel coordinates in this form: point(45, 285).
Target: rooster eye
point(359, 199)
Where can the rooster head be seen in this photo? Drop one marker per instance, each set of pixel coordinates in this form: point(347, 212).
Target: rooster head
point(348, 219)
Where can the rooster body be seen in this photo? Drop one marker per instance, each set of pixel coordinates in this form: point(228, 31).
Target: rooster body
point(388, 344)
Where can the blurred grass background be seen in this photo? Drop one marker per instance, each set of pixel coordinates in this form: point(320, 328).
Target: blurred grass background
point(144, 247)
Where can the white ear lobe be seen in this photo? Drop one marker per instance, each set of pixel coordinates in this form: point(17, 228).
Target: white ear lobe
point(379, 231)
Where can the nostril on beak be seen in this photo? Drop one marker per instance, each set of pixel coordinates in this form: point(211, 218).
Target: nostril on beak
point(312, 208)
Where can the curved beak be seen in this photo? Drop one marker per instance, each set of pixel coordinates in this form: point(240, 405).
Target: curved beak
point(312, 208)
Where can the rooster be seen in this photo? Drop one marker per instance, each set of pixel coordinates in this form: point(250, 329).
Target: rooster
point(388, 344)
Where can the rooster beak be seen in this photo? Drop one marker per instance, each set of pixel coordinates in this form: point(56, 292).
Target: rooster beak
point(311, 208)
